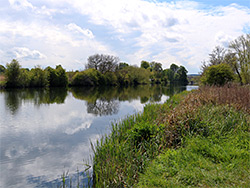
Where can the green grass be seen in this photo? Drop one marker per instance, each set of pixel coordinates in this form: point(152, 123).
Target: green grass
point(196, 139)
point(218, 158)
point(133, 142)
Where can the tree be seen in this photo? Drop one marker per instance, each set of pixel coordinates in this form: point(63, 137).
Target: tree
point(170, 74)
point(240, 49)
point(122, 65)
point(103, 63)
point(174, 67)
point(217, 75)
point(2, 69)
point(62, 77)
point(38, 77)
point(182, 75)
point(215, 58)
point(13, 72)
point(144, 64)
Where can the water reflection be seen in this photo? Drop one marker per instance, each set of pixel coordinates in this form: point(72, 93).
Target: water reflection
point(39, 141)
point(15, 97)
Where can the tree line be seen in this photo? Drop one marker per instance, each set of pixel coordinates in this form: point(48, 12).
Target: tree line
point(230, 64)
point(18, 77)
point(100, 70)
point(107, 70)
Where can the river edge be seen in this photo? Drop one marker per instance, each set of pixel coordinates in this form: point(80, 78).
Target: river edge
point(122, 158)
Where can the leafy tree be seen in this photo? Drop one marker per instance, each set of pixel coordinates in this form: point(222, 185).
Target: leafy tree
point(174, 67)
point(103, 63)
point(89, 77)
point(2, 69)
point(122, 65)
point(170, 74)
point(61, 76)
point(52, 77)
point(144, 64)
point(38, 78)
point(240, 53)
point(217, 75)
point(182, 75)
point(13, 72)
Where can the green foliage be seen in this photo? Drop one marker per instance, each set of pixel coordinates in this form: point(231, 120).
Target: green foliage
point(13, 72)
point(133, 76)
point(209, 139)
point(144, 64)
point(110, 78)
point(216, 159)
point(2, 69)
point(122, 65)
point(38, 78)
point(217, 75)
point(56, 77)
point(89, 77)
point(142, 132)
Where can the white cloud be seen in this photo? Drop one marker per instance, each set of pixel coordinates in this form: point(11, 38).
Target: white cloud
point(20, 4)
point(180, 31)
point(22, 52)
point(77, 29)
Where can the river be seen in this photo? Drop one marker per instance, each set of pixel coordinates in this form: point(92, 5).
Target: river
point(45, 133)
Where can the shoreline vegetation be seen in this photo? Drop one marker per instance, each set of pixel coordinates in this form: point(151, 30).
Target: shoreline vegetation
point(198, 138)
point(101, 70)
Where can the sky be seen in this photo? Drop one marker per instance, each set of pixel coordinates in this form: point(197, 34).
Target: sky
point(67, 32)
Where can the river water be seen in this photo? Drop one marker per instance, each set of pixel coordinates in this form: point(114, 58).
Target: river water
point(47, 133)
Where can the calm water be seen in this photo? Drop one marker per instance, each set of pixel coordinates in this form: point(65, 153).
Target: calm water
point(45, 133)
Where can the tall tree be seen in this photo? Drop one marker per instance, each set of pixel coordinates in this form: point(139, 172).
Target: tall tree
point(103, 63)
point(13, 72)
point(240, 47)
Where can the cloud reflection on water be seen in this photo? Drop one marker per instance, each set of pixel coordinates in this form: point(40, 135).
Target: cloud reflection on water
point(42, 138)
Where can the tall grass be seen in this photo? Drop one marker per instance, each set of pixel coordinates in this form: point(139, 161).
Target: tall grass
point(122, 156)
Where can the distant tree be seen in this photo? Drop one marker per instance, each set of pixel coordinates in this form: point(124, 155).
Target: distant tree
point(13, 72)
point(157, 67)
point(89, 77)
point(240, 52)
point(144, 64)
point(38, 77)
point(122, 65)
point(62, 77)
point(2, 69)
point(174, 67)
point(52, 77)
point(182, 75)
point(170, 74)
point(217, 75)
point(103, 63)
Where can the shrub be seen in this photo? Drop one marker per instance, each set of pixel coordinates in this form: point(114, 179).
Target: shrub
point(217, 75)
point(89, 77)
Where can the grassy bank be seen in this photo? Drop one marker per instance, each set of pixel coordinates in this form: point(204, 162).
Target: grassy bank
point(199, 138)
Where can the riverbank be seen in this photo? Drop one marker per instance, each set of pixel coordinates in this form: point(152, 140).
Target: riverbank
point(198, 138)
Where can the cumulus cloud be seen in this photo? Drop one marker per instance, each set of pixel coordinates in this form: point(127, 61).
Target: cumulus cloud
point(23, 52)
point(180, 31)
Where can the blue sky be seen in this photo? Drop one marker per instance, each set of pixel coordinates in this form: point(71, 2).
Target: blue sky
point(67, 32)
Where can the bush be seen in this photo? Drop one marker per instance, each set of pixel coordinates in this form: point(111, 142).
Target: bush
point(217, 75)
point(38, 78)
point(89, 77)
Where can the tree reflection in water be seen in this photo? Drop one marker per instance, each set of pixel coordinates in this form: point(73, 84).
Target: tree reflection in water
point(15, 97)
point(100, 100)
